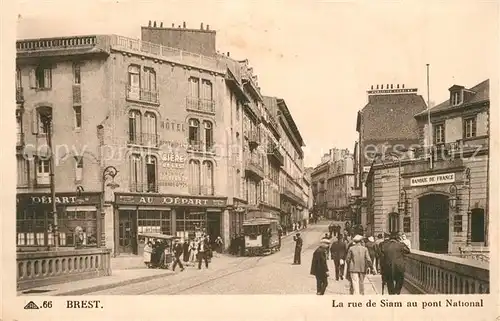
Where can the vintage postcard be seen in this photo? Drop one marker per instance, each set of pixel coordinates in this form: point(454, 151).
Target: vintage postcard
point(250, 160)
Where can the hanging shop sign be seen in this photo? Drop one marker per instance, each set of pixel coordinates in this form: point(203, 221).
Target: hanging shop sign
point(173, 200)
point(433, 179)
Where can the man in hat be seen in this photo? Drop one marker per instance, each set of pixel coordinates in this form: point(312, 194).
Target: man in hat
point(338, 251)
point(178, 251)
point(319, 267)
point(358, 261)
point(298, 248)
point(393, 265)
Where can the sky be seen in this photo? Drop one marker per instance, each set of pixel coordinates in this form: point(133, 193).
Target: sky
point(321, 57)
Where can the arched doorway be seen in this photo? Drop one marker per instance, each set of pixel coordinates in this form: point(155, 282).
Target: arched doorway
point(434, 223)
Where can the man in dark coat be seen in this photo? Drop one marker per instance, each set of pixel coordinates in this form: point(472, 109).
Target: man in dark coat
point(178, 251)
point(319, 267)
point(393, 265)
point(330, 230)
point(203, 252)
point(338, 250)
point(298, 248)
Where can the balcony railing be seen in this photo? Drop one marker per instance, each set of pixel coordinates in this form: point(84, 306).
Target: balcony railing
point(201, 147)
point(273, 151)
point(20, 140)
point(142, 95)
point(137, 187)
point(201, 190)
point(254, 167)
point(199, 104)
point(167, 53)
point(56, 43)
point(143, 139)
point(19, 95)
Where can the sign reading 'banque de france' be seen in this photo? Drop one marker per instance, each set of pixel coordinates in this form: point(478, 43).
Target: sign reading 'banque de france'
point(433, 179)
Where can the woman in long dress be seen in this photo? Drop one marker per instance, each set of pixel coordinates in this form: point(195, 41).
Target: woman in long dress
point(148, 249)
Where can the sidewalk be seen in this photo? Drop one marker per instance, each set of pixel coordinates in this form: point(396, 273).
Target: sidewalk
point(125, 270)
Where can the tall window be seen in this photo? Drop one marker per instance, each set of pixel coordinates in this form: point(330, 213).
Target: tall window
point(135, 173)
point(42, 128)
point(76, 74)
point(470, 127)
point(134, 82)
point(477, 225)
point(18, 79)
point(194, 177)
point(78, 168)
point(151, 174)
point(134, 121)
point(42, 171)
point(194, 87)
point(149, 79)
point(150, 128)
point(206, 92)
point(19, 128)
point(41, 77)
point(208, 178)
point(22, 171)
point(78, 116)
point(438, 133)
point(208, 135)
point(194, 132)
point(455, 98)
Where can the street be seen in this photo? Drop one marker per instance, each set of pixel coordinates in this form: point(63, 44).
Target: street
point(273, 274)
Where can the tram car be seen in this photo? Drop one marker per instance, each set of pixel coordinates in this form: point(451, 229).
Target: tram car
point(261, 236)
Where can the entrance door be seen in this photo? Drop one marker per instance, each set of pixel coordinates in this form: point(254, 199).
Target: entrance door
point(434, 223)
point(127, 232)
point(213, 225)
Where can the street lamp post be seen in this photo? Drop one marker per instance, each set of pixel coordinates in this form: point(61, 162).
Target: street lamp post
point(108, 172)
point(469, 212)
point(46, 119)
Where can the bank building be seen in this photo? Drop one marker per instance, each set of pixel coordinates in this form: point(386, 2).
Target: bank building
point(438, 195)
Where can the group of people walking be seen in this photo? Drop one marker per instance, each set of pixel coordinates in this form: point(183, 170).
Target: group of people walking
point(197, 250)
point(356, 256)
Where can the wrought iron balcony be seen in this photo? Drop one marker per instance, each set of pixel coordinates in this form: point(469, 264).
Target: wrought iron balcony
point(137, 187)
point(252, 166)
point(274, 152)
point(19, 95)
point(200, 105)
point(143, 139)
point(20, 140)
point(200, 147)
point(142, 95)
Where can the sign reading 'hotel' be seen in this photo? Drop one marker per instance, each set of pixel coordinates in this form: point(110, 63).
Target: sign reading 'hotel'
point(433, 179)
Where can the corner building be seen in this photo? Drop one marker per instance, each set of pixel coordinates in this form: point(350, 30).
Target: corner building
point(441, 200)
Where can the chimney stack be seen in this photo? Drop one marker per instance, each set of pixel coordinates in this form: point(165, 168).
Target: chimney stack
point(398, 86)
point(391, 86)
point(184, 24)
point(381, 86)
point(173, 25)
point(149, 24)
point(201, 26)
point(372, 87)
point(377, 86)
point(228, 53)
point(154, 25)
point(403, 86)
point(208, 27)
point(179, 26)
point(161, 24)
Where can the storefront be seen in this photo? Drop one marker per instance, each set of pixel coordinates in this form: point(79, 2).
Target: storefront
point(35, 221)
point(176, 215)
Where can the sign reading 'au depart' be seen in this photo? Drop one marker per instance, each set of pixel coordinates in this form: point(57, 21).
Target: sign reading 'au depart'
point(433, 179)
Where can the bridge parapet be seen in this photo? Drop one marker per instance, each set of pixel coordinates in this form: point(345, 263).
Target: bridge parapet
point(431, 273)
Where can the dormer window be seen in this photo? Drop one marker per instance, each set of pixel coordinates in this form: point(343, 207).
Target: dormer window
point(456, 98)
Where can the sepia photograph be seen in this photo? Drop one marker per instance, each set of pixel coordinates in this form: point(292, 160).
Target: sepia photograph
point(334, 149)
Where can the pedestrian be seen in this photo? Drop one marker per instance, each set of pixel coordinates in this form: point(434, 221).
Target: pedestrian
point(192, 251)
point(203, 249)
point(185, 249)
point(372, 251)
point(380, 239)
point(178, 251)
point(219, 244)
point(393, 265)
point(338, 251)
point(298, 248)
point(280, 234)
point(319, 267)
point(357, 262)
point(148, 249)
point(330, 230)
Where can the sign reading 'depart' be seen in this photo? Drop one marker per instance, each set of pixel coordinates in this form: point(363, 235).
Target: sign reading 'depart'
point(433, 179)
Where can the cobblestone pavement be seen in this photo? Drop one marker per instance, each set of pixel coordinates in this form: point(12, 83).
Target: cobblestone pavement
point(272, 274)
